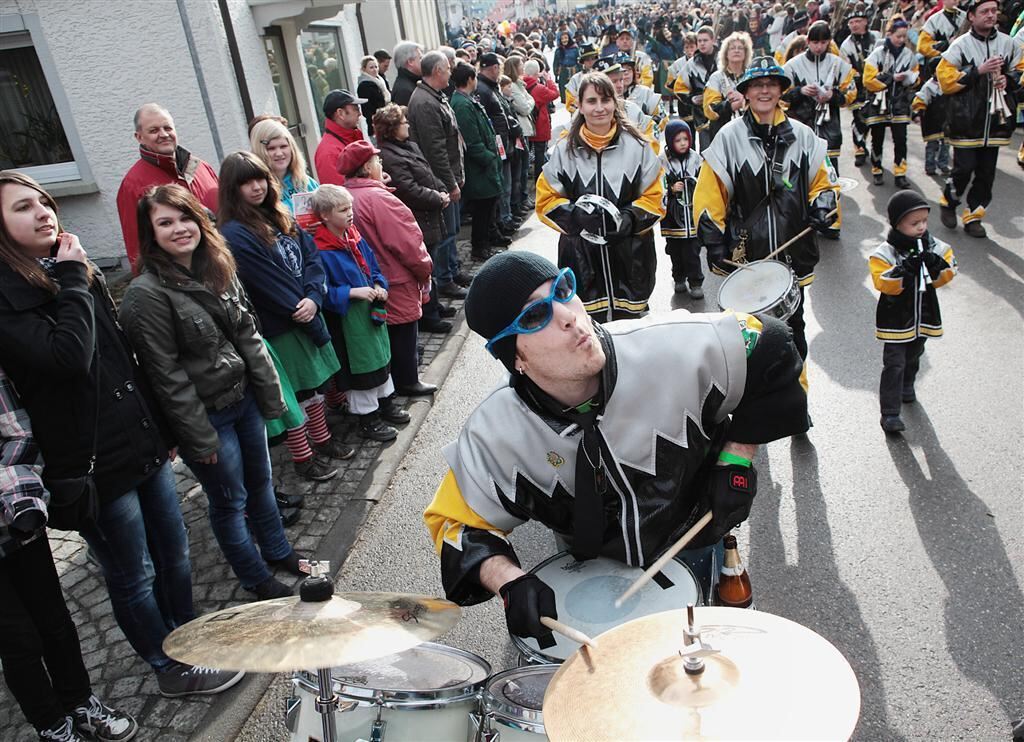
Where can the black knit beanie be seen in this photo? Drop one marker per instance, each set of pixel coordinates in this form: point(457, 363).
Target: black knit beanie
point(498, 293)
point(902, 203)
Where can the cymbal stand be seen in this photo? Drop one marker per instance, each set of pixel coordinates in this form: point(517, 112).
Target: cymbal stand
point(695, 649)
point(318, 588)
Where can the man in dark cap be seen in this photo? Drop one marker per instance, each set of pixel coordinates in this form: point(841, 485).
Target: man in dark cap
point(341, 128)
point(579, 440)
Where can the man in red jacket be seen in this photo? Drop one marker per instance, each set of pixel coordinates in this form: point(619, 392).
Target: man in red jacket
point(544, 91)
point(341, 128)
point(161, 161)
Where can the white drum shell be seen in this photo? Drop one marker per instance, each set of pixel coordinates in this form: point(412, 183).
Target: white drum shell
point(585, 594)
point(762, 288)
point(420, 715)
point(506, 718)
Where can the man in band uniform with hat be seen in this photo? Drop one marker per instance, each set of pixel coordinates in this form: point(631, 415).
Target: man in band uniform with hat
point(588, 55)
point(764, 178)
point(980, 71)
point(578, 439)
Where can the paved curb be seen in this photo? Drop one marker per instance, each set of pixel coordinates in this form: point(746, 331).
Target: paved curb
point(225, 721)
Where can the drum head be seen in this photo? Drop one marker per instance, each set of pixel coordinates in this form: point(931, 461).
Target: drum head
point(427, 671)
point(585, 594)
point(518, 695)
point(756, 287)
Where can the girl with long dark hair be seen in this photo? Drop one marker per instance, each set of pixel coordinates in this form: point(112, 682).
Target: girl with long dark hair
point(190, 323)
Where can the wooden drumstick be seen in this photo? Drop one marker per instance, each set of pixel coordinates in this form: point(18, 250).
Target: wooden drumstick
point(663, 559)
point(568, 631)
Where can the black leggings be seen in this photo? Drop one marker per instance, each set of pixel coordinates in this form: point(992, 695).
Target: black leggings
point(39, 647)
point(978, 163)
point(482, 211)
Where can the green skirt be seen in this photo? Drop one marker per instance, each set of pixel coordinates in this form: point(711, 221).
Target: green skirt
point(294, 415)
point(306, 366)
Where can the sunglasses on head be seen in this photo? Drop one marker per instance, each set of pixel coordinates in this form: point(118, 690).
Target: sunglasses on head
point(537, 314)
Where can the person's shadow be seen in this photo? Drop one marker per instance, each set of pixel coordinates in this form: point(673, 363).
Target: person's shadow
point(811, 592)
point(984, 605)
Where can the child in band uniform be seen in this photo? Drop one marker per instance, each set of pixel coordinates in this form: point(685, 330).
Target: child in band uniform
point(907, 268)
point(679, 229)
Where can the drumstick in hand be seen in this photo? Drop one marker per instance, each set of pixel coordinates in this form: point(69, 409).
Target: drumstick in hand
point(663, 559)
point(783, 246)
point(568, 631)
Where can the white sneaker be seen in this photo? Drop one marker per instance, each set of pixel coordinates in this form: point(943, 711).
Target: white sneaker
point(63, 732)
point(104, 723)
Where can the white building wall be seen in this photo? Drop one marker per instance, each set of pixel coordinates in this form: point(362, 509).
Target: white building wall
point(110, 57)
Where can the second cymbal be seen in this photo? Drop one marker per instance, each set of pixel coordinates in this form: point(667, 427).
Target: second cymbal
point(289, 634)
point(772, 679)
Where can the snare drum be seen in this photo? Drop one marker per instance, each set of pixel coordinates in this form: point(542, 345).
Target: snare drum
point(762, 288)
point(426, 693)
point(510, 709)
point(585, 594)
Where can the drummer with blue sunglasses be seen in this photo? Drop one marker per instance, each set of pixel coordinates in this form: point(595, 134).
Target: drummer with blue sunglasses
point(617, 437)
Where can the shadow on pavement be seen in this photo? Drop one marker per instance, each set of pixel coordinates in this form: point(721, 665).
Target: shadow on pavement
point(811, 590)
point(963, 544)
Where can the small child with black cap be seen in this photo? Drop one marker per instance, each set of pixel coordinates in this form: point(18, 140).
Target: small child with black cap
point(907, 268)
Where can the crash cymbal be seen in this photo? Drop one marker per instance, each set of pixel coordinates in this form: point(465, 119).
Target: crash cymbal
point(771, 679)
point(288, 634)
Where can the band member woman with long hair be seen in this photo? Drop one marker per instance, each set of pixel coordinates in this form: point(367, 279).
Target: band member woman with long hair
point(604, 155)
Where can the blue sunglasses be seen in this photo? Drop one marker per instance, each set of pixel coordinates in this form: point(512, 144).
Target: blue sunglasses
point(537, 314)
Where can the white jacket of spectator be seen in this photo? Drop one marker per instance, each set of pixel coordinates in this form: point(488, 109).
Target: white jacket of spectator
point(522, 104)
point(775, 30)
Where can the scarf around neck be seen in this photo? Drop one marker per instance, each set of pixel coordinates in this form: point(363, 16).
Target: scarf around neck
point(598, 142)
point(327, 240)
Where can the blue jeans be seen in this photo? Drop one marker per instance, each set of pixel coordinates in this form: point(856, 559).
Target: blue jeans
point(505, 199)
point(936, 154)
point(520, 176)
point(240, 484)
point(446, 256)
point(140, 542)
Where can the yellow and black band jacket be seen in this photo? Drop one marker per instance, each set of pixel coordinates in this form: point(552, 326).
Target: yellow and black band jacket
point(515, 459)
point(692, 79)
point(971, 121)
point(855, 51)
point(685, 107)
point(934, 108)
point(908, 307)
point(888, 99)
point(938, 32)
point(679, 223)
point(758, 187)
point(717, 107)
point(616, 279)
point(827, 71)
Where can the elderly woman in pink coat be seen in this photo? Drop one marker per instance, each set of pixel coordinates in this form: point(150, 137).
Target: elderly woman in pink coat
point(391, 229)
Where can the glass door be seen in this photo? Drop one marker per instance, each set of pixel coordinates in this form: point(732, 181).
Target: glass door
point(280, 73)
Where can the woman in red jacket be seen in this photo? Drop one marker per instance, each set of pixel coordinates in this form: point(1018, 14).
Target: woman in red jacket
point(391, 230)
point(544, 90)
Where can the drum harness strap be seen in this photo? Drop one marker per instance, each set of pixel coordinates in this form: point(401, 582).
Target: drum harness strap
point(774, 178)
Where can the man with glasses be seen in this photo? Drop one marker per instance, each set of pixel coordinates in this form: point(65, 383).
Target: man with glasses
point(618, 437)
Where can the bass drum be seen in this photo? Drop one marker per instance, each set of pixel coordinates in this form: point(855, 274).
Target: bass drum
point(585, 594)
point(424, 694)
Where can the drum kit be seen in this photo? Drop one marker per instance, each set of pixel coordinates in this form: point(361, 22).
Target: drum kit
point(365, 667)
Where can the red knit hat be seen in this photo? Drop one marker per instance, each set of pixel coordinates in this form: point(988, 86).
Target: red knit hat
point(354, 156)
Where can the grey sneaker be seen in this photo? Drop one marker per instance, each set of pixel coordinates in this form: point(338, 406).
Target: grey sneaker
point(186, 680)
point(62, 732)
point(99, 721)
point(315, 469)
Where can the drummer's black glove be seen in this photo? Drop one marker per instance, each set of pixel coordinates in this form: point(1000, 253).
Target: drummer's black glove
point(526, 599)
point(731, 491)
point(589, 222)
point(820, 215)
point(935, 264)
point(716, 256)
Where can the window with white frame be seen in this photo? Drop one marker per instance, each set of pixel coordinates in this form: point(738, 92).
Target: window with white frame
point(32, 137)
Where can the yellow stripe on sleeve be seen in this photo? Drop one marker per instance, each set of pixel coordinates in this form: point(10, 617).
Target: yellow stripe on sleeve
point(711, 97)
point(652, 200)
point(871, 81)
point(447, 514)
point(710, 197)
point(949, 77)
point(548, 199)
point(885, 284)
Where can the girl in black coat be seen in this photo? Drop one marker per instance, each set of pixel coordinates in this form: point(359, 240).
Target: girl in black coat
point(91, 411)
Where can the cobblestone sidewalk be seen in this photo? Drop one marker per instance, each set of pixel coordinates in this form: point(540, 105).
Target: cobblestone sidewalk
point(118, 676)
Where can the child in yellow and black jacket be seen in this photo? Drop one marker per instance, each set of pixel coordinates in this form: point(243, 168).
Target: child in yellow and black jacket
point(680, 165)
point(907, 268)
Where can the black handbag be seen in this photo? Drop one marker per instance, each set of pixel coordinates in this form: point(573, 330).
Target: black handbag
point(75, 502)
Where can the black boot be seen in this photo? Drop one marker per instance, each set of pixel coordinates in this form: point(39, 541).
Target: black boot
point(390, 412)
point(371, 427)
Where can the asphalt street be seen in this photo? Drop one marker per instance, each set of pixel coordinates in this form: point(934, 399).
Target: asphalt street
point(905, 552)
